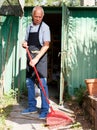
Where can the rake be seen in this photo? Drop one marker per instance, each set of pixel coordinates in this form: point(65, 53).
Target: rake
point(54, 117)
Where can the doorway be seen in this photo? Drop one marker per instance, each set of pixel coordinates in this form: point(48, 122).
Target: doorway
point(54, 20)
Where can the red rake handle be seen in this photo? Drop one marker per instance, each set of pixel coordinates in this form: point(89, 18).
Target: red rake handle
point(36, 72)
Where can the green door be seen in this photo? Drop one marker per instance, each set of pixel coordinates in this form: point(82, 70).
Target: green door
point(63, 75)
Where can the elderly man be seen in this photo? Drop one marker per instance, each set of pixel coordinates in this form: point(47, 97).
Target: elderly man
point(37, 39)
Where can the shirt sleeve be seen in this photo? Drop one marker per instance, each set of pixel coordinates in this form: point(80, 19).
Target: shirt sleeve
point(46, 34)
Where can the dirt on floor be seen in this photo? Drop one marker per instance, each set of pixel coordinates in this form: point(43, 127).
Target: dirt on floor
point(17, 121)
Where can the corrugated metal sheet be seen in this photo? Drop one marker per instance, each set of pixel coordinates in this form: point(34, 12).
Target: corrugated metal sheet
point(12, 7)
point(12, 74)
point(63, 51)
point(81, 57)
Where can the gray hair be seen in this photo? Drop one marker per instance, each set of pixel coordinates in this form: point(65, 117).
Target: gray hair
point(37, 7)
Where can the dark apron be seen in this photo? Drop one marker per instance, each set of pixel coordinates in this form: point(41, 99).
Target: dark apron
point(34, 45)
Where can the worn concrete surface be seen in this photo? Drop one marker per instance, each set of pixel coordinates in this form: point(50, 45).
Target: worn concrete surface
point(17, 121)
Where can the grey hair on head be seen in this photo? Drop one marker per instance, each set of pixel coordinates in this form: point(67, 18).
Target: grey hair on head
point(37, 7)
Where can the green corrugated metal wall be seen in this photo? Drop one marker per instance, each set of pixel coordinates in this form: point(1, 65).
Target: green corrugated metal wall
point(81, 58)
point(12, 74)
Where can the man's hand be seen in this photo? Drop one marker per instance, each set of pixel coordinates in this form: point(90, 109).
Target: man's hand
point(24, 45)
point(33, 62)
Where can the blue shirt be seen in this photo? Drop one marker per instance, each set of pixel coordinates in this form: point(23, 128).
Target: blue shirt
point(44, 33)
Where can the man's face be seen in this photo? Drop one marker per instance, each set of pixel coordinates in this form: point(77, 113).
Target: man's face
point(37, 17)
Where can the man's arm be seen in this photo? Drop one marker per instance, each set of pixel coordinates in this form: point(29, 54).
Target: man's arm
point(42, 51)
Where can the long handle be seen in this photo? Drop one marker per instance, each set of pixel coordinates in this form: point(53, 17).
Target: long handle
point(36, 72)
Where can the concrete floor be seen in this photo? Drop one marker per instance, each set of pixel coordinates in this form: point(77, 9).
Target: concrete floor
point(16, 121)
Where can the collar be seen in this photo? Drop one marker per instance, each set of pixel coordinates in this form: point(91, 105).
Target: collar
point(32, 25)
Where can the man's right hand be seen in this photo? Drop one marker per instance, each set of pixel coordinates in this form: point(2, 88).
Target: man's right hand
point(24, 45)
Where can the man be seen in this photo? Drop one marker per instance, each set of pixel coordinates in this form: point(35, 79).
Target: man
point(37, 39)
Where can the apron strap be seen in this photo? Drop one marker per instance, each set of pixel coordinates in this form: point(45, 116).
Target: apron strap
point(39, 27)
